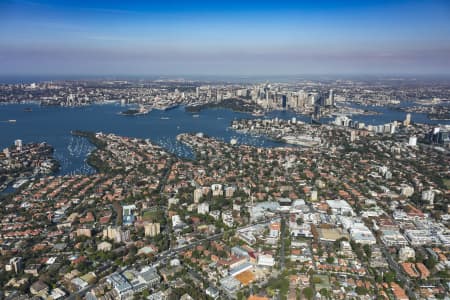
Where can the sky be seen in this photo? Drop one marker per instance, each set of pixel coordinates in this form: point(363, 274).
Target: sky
point(44, 37)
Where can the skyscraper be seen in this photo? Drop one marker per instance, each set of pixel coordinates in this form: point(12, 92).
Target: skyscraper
point(330, 100)
point(18, 144)
point(407, 121)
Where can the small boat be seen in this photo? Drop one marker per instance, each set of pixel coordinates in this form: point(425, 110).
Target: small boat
point(195, 116)
point(257, 114)
point(28, 109)
point(12, 121)
point(165, 118)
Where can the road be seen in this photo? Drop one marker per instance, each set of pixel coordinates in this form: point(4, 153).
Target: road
point(399, 274)
point(80, 293)
point(283, 243)
point(171, 252)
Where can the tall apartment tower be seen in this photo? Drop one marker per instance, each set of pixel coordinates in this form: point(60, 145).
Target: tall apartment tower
point(330, 100)
point(407, 121)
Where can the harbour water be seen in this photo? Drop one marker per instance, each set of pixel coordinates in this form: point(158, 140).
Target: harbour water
point(54, 124)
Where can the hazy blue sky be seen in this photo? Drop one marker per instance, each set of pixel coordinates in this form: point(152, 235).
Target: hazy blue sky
point(224, 37)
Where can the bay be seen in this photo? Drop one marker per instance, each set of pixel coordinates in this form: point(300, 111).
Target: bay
point(54, 124)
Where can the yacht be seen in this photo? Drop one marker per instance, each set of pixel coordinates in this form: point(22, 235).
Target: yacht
point(19, 183)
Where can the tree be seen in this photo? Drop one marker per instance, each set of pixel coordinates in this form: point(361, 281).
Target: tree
point(316, 280)
point(240, 295)
point(324, 292)
point(299, 221)
point(308, 292)
point(367, 250)
point(419, 257)
point(361, 290)
point(320, 251)
point(430, 262)
point(389, 277)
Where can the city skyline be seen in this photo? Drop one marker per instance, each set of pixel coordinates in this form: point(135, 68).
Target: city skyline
point(201, 38)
